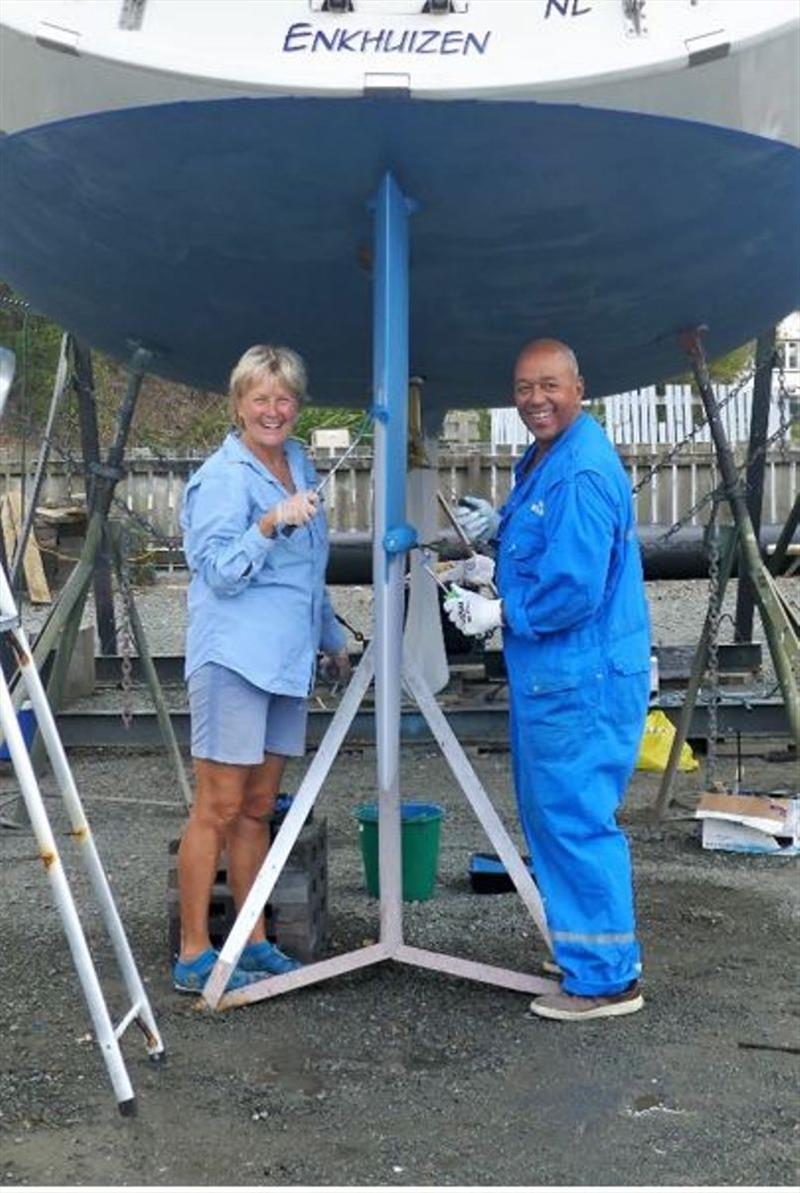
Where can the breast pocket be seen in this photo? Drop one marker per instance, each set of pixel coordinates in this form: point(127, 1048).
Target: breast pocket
point(526, 543)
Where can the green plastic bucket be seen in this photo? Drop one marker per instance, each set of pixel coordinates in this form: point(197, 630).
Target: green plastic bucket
point(420, 826)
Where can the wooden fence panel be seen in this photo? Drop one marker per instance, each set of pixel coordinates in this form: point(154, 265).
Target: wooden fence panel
point(153, 488)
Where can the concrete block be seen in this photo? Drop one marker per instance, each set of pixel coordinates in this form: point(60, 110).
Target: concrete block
point(297, 911)
point(80, 679)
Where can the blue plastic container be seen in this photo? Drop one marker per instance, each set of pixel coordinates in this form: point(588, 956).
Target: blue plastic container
point(26, 719)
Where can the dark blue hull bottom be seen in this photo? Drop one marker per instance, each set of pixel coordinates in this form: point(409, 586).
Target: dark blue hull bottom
point(201, 228)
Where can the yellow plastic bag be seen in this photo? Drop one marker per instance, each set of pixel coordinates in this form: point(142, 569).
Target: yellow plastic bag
point(659, 734)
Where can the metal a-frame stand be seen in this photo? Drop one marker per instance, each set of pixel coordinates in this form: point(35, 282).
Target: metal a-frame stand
point(60, 630)
point(139, 1012)
point(779, 626)
point(383, 660)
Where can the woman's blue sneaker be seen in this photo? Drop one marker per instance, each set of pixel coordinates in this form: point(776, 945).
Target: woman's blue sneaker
point(191, 976)
point(266, 957)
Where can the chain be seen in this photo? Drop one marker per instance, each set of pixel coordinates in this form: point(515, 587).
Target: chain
point(677, 448)
point(125, 635)
point(712, 669)
point(786, 421)
point(719, 490)
point(156, 535)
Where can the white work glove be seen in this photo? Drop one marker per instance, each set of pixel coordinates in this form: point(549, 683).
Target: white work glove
point(478, 519)
point(475, 571)
point(296, 510)
point(472, 613)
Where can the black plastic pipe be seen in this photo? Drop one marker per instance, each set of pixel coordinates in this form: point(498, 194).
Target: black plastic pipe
point(680, 557)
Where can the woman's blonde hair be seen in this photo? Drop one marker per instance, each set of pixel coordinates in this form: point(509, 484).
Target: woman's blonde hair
point(263, 359)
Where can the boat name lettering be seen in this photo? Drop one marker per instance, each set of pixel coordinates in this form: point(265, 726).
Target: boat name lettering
point(304, 38)
point(567, 8)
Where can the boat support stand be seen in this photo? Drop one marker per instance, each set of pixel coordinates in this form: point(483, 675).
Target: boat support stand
point(383, 661)
point(60, 631)
point(780, 628)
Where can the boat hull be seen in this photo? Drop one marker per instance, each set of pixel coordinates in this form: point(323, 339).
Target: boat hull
point(196, 177)
point(200, 228)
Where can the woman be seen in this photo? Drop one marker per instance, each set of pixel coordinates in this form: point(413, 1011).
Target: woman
point(256, 543)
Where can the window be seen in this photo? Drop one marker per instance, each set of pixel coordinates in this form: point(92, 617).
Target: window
point(790, 354)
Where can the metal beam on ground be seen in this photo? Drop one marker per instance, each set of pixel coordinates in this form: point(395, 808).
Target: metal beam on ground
point(474, 724)
point(674, 664)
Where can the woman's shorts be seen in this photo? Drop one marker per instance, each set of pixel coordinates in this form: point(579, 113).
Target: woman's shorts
point(233, 721)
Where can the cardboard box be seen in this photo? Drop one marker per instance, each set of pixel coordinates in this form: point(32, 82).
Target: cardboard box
point(750, 823)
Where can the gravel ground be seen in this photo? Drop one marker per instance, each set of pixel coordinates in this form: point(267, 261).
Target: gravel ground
point(677, 610)
point(394, 1076)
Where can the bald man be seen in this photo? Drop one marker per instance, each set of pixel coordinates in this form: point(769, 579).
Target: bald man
point(577, 645)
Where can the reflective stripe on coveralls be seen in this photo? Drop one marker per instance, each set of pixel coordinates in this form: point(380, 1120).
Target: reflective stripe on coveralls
point(577, 652)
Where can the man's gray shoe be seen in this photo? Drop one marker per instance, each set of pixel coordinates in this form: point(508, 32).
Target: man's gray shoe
point(576, 1007)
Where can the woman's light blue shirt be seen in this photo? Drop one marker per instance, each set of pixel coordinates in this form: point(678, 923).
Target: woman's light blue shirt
point(256, 605)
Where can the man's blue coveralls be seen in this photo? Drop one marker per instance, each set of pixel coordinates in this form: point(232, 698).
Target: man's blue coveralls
point(577, 648)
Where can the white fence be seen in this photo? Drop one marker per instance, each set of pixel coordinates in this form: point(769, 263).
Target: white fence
point(657, 416)
point(153, 487)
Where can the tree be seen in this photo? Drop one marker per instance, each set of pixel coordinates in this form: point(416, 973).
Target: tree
point(35, 342)
point(725, 369)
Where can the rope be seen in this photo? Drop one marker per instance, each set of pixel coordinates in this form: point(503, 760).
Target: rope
point(145, 557)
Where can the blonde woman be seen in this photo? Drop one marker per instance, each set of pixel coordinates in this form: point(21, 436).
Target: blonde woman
point(256, 542)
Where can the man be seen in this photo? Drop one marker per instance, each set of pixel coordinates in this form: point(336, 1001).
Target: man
point(577, 647)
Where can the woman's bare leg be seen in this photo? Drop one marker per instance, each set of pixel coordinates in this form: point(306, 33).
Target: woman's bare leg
point(219, 798)
point(247, 838)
